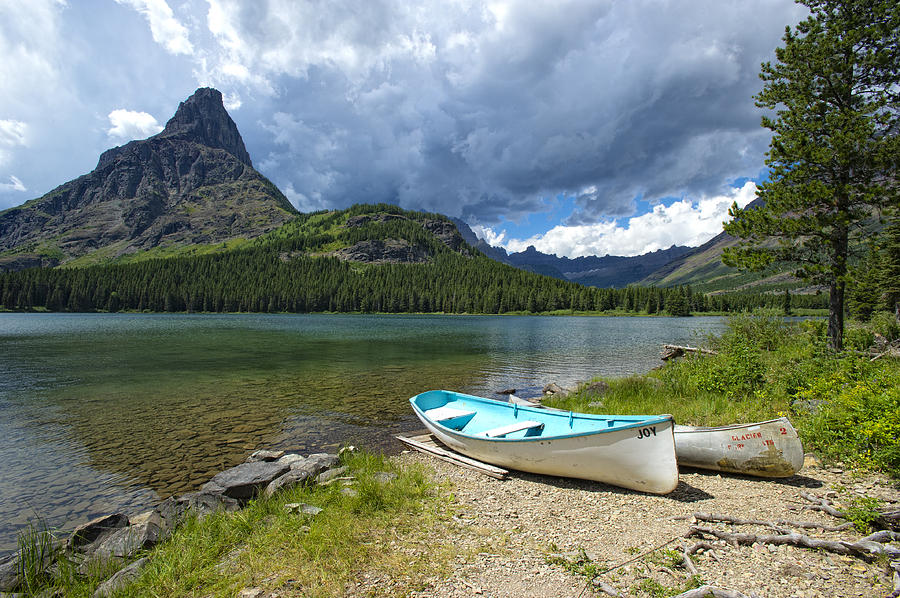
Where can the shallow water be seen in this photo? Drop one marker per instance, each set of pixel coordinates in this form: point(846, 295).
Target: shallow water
point(106, 412)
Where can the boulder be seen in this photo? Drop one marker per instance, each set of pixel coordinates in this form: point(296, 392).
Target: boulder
point(204, 503)
point(291, 458)
point(96, 530)
point(302, 508)
point(330, 474)
point(9, 572)
point(506, 391)
point(263, 455)
point(552, 389)
point(171, 511)
point(244, 481)
point(322, 461)
point(302, 470)
point(127, 541)
point(599, 388)
point(120, 579)
point(286, 480)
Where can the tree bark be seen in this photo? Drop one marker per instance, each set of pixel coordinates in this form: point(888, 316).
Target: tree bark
point(839, 249)
point(836, 316)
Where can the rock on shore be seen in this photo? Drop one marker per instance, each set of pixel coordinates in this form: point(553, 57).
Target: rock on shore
point(112, 540)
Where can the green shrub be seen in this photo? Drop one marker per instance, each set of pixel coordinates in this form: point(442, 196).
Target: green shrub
point(861, 511)
point(858, 339)
point(885, 324)
point(764, 329)
point(815, 329)
point(857, 419)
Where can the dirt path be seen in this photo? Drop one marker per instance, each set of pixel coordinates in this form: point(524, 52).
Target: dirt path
point(509, 530)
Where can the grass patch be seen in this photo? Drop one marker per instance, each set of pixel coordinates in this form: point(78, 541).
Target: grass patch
point(846, 407)
point(372, 526)
point(377, 528)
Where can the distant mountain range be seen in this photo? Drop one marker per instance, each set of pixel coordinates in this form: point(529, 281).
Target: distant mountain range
point(608, 272)
point(192, 190)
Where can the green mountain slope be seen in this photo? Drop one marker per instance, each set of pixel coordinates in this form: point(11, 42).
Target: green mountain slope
point(366, 258)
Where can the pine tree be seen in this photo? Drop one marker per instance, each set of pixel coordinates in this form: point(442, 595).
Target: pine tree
point(889, 279)
point(835, 90)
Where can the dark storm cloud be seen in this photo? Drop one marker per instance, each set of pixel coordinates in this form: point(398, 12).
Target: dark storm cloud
point(485, 110)
point(484, 114)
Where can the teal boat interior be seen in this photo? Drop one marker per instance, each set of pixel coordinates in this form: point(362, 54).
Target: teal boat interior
point(486, 418)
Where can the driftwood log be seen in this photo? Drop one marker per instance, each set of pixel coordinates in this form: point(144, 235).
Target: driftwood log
point(776, 525)
point(888, 517)
point(673, 351)
point(868, 548)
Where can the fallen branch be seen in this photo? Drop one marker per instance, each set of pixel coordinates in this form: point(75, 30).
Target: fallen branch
point(888, 517)
point(672, 351)
point(821, 504)
point(773, 524)
point(867, 548)
point(686, 557)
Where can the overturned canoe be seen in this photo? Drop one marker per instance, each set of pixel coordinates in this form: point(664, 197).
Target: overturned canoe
point(769, 449)
point(631, 451)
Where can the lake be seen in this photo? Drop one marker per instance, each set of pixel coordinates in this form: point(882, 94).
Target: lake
point(114, 412)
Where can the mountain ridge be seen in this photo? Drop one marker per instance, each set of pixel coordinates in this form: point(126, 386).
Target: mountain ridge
point(609, 271)
point(192, 183)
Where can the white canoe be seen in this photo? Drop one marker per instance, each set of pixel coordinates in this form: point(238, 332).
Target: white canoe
point(769, 449)
point(631, 451)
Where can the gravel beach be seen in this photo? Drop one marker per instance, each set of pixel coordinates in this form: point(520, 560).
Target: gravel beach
point(514, 536)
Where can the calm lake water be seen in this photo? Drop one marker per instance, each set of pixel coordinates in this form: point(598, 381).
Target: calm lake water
point(114, 412)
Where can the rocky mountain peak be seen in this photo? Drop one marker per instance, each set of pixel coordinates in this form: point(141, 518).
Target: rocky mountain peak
point(193, 183)
point(202, 119)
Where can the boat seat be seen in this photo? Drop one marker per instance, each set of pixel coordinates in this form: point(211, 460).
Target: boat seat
point(439, 414)
point(515, 427)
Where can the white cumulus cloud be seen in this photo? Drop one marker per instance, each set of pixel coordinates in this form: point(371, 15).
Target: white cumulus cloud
point(684, 222)
point(129, 124)
point(14, 184)
point(13, 133)
point(165, 28)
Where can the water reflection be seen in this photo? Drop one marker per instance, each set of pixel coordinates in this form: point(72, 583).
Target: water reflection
point(107, 412)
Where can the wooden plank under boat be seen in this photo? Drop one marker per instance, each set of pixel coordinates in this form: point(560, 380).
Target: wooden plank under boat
point(428, 444)
point(769, 449)
point(631, 451)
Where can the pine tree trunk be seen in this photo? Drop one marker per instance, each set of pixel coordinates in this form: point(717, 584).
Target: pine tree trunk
point(836, 315)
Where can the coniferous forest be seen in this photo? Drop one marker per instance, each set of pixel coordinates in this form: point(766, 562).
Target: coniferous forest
point(294, 269)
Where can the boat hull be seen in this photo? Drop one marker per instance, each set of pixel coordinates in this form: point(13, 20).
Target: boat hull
point(770, 449)
point(638, 454)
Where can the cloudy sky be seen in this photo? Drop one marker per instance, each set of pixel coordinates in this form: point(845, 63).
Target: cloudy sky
point(580, 127)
